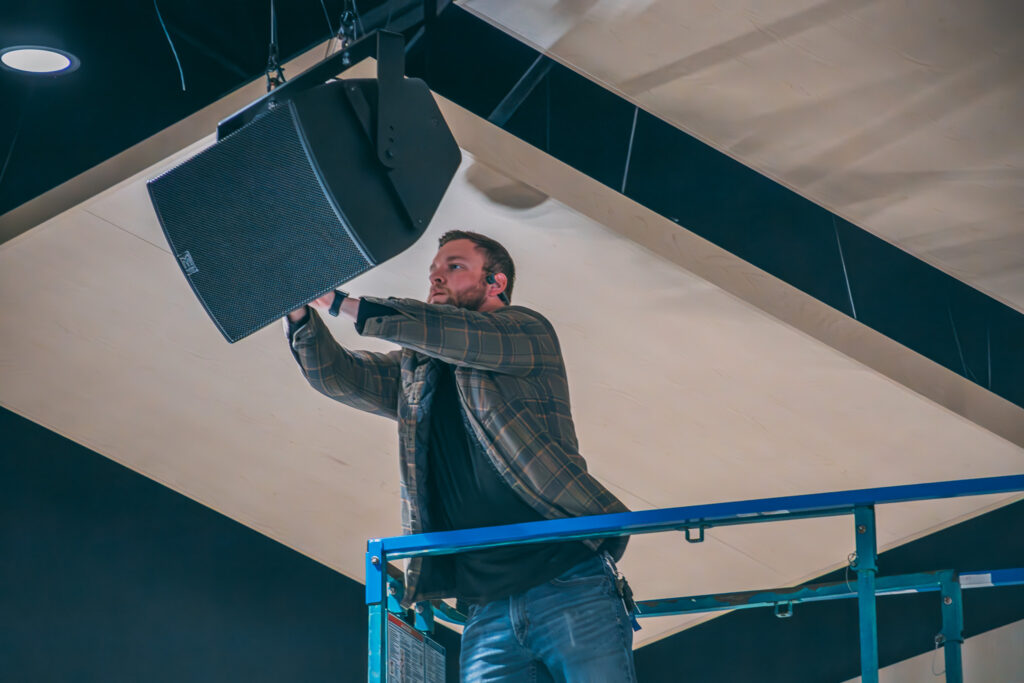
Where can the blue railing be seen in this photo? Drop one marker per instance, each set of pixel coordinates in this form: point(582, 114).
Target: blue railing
point(383, 593)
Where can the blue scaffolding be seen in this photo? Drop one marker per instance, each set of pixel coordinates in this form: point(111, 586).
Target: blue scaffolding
point(384, 583)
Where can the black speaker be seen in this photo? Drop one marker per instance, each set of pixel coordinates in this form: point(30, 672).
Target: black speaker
point(305, 197)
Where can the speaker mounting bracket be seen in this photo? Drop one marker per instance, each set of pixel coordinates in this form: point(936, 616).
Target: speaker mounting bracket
point(325, 70)
point(390, 72)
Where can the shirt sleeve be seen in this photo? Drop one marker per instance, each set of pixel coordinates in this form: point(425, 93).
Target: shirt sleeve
point(366, 380)
point(290, 328)
point(371, 309)
point(512, 340)
point(367, 309)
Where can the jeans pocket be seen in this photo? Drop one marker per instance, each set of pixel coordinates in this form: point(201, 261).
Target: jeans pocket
point(590, 571)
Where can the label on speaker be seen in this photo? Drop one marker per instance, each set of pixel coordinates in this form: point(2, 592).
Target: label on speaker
point(188, 264)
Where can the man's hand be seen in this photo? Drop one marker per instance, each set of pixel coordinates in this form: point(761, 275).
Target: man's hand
point(300, 313)
point(349, 307)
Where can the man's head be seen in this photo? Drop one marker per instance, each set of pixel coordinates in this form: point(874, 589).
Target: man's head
point(460, 270)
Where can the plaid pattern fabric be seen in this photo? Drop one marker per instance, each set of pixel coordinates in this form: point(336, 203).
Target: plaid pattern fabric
point(511, 380)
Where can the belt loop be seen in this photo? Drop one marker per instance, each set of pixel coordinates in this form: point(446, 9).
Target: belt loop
point(609, 563)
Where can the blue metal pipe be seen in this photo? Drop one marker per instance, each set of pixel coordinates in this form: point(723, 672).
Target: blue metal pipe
point(376, 602)
point(860, 502)
point(993, 577)
point(670, 519)
point(905, 583)
point(952, 635)
point(921, 582)
point(446, 612)
point(866, 568)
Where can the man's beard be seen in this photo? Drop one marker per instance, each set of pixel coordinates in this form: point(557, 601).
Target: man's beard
point(471, 299)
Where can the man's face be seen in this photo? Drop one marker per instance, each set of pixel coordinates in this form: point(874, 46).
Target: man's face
point(457, 276)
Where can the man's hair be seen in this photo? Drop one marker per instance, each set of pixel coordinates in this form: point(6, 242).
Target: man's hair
point(496, 257)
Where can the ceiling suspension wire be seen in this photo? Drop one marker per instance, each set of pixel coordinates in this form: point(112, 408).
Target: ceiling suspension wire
point(330, 29)
point(359, 18)
point(171, 43)
point(327, 17)
point(275, 74)
point(17, 132)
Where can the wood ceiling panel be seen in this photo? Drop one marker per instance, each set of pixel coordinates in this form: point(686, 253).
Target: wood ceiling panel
point(901, 117)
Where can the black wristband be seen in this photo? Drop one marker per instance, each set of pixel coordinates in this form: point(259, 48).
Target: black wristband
point(339, 296)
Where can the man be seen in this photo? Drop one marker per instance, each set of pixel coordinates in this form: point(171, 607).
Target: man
point(486, 437)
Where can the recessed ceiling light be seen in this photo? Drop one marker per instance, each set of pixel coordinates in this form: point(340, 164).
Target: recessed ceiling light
point(38, 59)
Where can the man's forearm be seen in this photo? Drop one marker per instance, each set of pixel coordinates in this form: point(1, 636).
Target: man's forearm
point(349, 308)
point(362, 379)
point(511, 340)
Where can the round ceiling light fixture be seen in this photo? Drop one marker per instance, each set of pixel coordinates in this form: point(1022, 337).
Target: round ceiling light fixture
point(38, 59)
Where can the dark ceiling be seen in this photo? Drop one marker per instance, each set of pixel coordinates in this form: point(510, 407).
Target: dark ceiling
point(128, 85)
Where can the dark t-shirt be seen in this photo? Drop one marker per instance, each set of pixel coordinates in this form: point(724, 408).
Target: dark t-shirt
point(465, 491)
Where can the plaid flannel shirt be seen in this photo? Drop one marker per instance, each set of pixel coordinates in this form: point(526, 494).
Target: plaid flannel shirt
point(512, 385)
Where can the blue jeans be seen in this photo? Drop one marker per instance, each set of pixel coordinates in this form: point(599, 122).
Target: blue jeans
point(573, 628)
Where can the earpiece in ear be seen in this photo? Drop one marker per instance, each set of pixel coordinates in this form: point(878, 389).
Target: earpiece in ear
point(501, 295)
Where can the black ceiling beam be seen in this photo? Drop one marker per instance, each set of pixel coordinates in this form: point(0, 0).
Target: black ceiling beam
point(410, 44)
point(226, 62)
point(520, 91)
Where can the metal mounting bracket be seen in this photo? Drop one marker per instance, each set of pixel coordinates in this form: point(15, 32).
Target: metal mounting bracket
point(699, 538)
point(390, 72)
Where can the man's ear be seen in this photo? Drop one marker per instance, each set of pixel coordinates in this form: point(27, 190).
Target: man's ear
point(498, 280)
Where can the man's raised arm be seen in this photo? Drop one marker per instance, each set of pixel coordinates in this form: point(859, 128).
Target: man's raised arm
point(365, 380)
point(512, 340)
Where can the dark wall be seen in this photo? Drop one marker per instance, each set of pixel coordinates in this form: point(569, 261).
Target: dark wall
point(106, 575)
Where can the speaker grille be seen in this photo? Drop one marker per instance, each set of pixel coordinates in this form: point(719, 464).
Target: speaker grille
point(252, 226)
